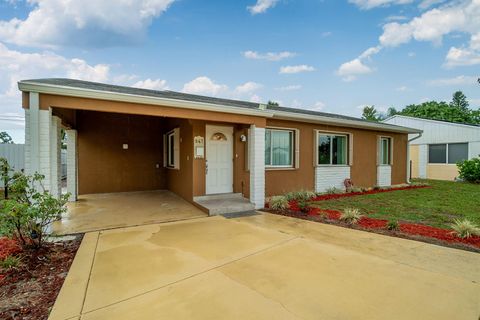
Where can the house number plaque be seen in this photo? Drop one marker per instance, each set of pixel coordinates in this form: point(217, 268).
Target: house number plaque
point(199, 147)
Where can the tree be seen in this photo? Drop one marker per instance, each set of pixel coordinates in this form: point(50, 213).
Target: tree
point(459, 100)
point(371, 114)
point(391, 112)
point(271, 103)
point(5, 137)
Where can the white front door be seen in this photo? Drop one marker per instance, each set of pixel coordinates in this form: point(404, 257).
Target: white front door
point(219, 152)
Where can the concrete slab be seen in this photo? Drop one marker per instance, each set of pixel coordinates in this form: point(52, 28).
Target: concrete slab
point(116, 210)
point(264, 267)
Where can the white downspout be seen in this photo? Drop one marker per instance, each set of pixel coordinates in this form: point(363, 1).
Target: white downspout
point(408, 155)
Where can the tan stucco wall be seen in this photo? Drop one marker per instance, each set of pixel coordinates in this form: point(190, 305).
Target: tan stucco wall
point(364, 166)
point(442, 171)
point(104, 166)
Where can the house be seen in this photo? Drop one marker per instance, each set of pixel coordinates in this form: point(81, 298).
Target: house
point(435, 153)
point(122, 139)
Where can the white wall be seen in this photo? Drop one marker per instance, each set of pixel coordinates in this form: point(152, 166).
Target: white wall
point(384, 176)
point(15, 155)
point(331, 176)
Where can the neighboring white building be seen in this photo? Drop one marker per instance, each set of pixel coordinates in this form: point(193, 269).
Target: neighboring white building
point(435, 153)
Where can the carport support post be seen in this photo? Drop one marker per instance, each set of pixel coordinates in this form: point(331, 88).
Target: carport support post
point(256, 153)
point(72, 163)
point(42, 144)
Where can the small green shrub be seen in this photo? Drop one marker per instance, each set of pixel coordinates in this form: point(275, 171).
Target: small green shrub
point(350, 215)
point(278, 203)
point(301, 195)
point(333, 190)
point(393, 225)
point(10, 262)
point(469, 170)
point(465, 228)
point(303, 206)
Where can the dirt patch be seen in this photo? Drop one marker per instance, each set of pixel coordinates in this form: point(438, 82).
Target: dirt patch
point(29, 291)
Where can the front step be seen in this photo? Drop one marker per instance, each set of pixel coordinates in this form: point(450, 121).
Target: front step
point(229, 203)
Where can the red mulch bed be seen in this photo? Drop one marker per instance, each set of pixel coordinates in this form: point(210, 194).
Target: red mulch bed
point(29, 291)
point(406, 230)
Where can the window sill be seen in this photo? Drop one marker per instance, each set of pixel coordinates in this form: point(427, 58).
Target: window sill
point(279, 168)
point(333, 165)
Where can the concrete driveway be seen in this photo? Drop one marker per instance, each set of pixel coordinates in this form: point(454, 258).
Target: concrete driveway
point(265, 267)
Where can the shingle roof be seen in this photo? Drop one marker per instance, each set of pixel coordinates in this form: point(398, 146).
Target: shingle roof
point(172, 95)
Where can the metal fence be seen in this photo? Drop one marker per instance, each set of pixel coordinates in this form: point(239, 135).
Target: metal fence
point(15, 155)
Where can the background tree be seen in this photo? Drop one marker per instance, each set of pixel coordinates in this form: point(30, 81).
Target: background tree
point(459, 100)
point(271, 103)
point(5, 137)
point(370, 113)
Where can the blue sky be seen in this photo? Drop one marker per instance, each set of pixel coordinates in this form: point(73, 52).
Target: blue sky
point(334, 56)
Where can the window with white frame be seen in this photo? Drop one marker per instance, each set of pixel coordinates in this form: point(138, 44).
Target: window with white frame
point(279, 148)
point(385, 151)
point(450, 153)
point(332, 149)
point(171, 149)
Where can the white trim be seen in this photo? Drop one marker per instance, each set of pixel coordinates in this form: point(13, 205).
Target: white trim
point(293, 154)
point(72, 164)
point(349, 148)
point(257, 166)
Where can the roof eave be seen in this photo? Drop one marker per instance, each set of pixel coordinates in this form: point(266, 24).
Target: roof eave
point(342, 122)
point(31, 86)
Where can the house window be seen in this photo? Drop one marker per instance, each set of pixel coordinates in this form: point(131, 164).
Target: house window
point(447, 153)
point(171, 149)
point(278, 148)
point(385, 151)
point(332, 149)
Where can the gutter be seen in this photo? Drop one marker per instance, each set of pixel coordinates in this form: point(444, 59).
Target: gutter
point(125, 97)
point(420, 134)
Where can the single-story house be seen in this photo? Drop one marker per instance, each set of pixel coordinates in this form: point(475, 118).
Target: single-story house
point(122, 139)
point(434, 155)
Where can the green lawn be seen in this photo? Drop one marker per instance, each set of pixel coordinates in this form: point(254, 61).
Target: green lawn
point(437, 206)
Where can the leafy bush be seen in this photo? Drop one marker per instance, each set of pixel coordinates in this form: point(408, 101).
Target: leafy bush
point(301, 195)
point(278, 203)
point(393, 225)
point(30, 209)
point(10, 262)
point(469, 170)
point(350, 215)
point(333, 190)
point(465, 228)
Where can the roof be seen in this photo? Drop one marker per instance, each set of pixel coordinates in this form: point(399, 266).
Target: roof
point(434, 120)
point(79, 88)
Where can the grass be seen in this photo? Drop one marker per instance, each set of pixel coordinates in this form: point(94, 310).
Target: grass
point(437, 206)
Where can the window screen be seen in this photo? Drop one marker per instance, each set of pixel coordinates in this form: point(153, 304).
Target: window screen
point(437, 153)
point(279, 148)
point(457, 152)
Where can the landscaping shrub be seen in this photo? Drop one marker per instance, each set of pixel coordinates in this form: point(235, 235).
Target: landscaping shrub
point(303, 206)
point(30, 209)
point(465, 229)
point(350, 215)
point(393, 225)
point(301, 195)
point(469, 170)
point(10, 262)
point(278, 203)
point(333, 190)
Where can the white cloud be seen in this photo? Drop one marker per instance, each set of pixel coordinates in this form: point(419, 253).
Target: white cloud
point(157, 84)
point(262, 6)
point(402, 88)
point(247, 87)
point(317, 106)
point(396, 18)
point(53, 23)
point(204, 85)
point(425, 4)
point(455, 81)
point(370, 4)
point(351, 69)
point(296, 69)
point(269, 56)
point(290, 88)
point(256, 98)
point(461, 57)
point(411, 54)
point(326, 34)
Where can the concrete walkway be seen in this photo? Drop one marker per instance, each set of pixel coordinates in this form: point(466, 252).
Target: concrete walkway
point(95, 212)
point(265, 267)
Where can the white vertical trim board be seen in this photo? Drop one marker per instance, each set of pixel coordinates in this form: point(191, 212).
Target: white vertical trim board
point(331, 176)
point(55, 156)
point(384, 175)
point(72, 173)
point(257, 166)
point(422, 161)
